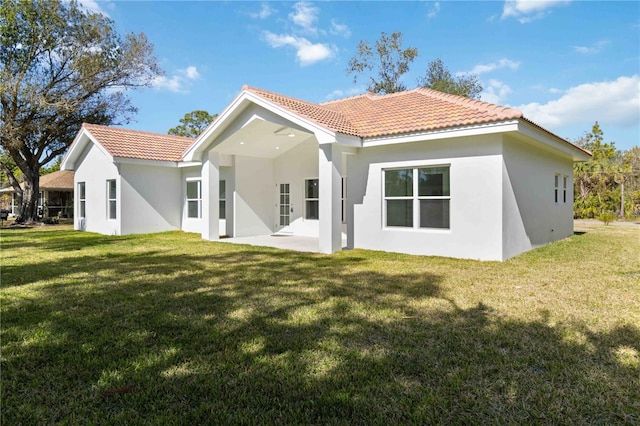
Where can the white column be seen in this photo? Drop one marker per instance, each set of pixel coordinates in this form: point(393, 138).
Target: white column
point(330, 199)
point(211, 196)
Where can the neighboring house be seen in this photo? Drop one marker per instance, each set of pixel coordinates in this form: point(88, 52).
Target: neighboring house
point(419, 172)
point(56, 195)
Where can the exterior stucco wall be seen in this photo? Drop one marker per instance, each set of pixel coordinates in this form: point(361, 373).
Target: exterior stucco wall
point(150, 199)
point(94, 169)
point(253, 197)
point(531, 217)
point(475, 207)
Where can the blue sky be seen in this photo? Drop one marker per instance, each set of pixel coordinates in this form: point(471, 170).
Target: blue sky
point(565, 64)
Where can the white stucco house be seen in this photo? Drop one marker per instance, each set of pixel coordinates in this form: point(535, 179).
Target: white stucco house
point(418, 172)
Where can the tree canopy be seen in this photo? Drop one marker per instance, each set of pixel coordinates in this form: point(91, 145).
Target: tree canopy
point(192, 124)
point(609, 182)
point(391, 62)
point(388, 57)
point(439, 78)
point(61, 66)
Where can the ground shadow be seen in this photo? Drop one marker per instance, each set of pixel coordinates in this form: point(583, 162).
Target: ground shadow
point(262, 336)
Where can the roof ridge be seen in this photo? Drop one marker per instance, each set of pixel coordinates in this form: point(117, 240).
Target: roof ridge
point(256, 89)
point(468, 102)
point(142, 132)
point(361, 95)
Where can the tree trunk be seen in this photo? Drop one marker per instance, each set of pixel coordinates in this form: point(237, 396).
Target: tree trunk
point(622, 198)
point(30, 194)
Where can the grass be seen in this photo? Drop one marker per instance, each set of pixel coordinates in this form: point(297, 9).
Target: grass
point(170, 329)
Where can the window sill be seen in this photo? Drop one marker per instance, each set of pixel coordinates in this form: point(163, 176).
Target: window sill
point(418, 230)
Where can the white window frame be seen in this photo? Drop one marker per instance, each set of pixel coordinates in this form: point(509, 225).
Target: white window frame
point(557, 188)
point(415, 198)
point(112, 200)
point(565, 181)
point(222, 196)
point(311, 199)
point(198, 199)
point(82, 200)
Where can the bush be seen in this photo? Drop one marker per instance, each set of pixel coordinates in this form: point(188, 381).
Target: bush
point(607, 217)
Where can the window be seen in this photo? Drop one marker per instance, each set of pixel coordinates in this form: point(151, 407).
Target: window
point(311, 199)
point(564, 188)
point(82, 199)
point(417, 197)
point(194, 199)
point(557, 189)
point(223, 199)
point(111, 199)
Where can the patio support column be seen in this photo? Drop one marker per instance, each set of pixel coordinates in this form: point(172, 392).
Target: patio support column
point(330, 197)
point(210, 196)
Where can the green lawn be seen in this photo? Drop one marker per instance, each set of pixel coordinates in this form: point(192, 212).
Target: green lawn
point(170, 329)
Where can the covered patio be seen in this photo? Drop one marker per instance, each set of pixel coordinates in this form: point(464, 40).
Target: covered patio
point(285, 175)
point(281, 241)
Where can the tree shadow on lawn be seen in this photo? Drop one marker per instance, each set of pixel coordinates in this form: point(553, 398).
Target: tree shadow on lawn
point(56, 239)
point(257, 336)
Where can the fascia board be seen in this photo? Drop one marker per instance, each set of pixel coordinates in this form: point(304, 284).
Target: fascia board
point(142, 162)
point(291, 116)
point(195, 149)
point(552, 141)
point(78, 146)
point(239, 104)
point(455, 132)
point(189, 164)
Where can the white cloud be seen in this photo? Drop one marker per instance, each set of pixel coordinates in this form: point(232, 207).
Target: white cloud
point(338, 93)
point(485, 68)
point(615, 102)
point(340, 29)
point(496, 92)
point(179, 82)
point(526, 11)
point(307, 53)
point(264, 12)
point(305, 16)
point(595, 48)
point(433, 10)
point(191, 73)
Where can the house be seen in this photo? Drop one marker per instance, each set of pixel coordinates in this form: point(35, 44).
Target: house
point(56, 195)
point(419, 172)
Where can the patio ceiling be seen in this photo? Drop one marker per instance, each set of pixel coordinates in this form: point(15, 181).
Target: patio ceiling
point(264, 139)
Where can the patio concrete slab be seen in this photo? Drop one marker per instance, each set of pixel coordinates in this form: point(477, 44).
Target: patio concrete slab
point(281, 241)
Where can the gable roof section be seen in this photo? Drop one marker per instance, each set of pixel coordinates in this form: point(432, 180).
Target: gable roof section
point(135, 144)
point(62, 179)
point(371, 115)
point(326, 117)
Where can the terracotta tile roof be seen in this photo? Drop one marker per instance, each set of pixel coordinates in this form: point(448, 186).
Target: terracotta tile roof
point(371, 115)
point(62, 179)
point(326, 117)
point(139, 145)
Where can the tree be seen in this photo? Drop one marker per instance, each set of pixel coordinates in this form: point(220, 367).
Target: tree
point(192, 124)
point(52, 167)
point(600, 184)
point(60, 67)
point(390, 60)
point(439, 78)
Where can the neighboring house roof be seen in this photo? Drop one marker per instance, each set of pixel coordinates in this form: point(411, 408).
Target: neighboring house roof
point(372, 115)
point(60, 180)
point(124, 143)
